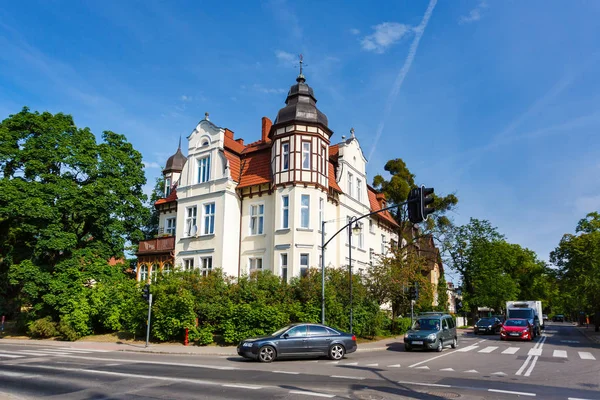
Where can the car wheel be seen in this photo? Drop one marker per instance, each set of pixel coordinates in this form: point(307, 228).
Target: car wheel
point(407, 347)
point(454, 343)
point(440, 346)
point(266, 354)
point(336, 352)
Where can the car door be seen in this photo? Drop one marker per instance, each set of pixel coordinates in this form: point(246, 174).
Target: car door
point(319, 339)
point(446, 334)
point(294, 342)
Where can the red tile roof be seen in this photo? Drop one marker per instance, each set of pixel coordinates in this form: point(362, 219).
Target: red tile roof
point(171, 197)
point(332, 182)
point(256, 168)
point(232, 145)
point(334, 151)
point(375, 206)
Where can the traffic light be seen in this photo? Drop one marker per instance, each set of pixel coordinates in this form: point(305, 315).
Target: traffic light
point(418, 200)
point(458, 305)
point(413, 291)
point(146, 292)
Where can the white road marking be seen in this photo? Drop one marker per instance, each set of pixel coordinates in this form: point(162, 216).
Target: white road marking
point(360, 378)
point(333, 362)
point(511, 392)
point(112, 365)
point(76, 351)
point(468, 348)
point(10, 355)
point(585, 355)
point(56, 352)
point(447, 369)
point(472, 371)
point(372, 365)
point(394, 366)
point(312, 393)
point(577, 398)
point(354, 363)
point(531, 366)
point(488, 349)
point(88, 350)
point(132, 361)
point(286, 372)
point(511, 350)
point(520, 371)
point(538, 346)
point(535, 352)
point(423, 367)
point(29, 353)
point(569, 341)
point(444, 355)
point(559, 353)
point(423, 384)
point(499, 373)
point(233, 385)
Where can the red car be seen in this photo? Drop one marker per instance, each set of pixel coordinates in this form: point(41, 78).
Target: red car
point(516, 328)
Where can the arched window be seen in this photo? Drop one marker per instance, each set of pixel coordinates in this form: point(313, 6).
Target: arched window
point(143, 273)
point(205, 143)
point(153, 271)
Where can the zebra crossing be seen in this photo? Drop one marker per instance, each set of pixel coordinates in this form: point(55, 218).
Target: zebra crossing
point(46, 352)
point(583, 355)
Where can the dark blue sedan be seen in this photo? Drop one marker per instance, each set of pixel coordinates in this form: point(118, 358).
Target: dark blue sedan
point(299, 340)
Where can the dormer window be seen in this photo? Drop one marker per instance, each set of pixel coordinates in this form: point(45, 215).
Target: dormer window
point(285, 156)
point(204, 169)
point(306, 155)
point(205, 143)
point(167, 187)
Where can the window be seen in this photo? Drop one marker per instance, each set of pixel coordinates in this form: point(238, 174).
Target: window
point(358, 189)
point(283, 261)
point(285, 211)
point(255, 264)
point(167, 187)
point(321, 212)
point(305, 211)
point(190, 221)
point(371, 251)
point(153, 272)
point(297, 331)
point(350, 184)
point(305, 155)
point(285, 156)
point(393, 244)
point(314, 330)
point(206, 263)
point(204, 169)
point(188, 264)
point(257, 216)
point(371, 226)
point(171, 225)
point(204, 143)
point(303, 264)
point(383, 244)
point(324, 160)
point(167, 268)
point(361, 237)
point(143, 273)
point(208, 228)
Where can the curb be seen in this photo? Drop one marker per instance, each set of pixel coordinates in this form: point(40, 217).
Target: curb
point(592, 337)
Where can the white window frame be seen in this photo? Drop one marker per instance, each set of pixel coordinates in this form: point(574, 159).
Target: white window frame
point(208, 217)
point(283, 266)
point(285, 211)
point(167, 268)
point(358, 189)
point(256, 224)
point(203, 169)
point(361, 236)
point(255, 264)
point(171, 226)
point(350, 184)
point(304, 209)
point(191, 214)
point(321, 212)
point(383, 246)
point(154, 269)
point(306, 154)
point(304, 267)
point(167, 187)
point(371, 226)
point(143, 273)
point(285, 156)
point(206, 265)
point(187, 264)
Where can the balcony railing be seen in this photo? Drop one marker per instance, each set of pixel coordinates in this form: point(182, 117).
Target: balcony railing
point(158, 245)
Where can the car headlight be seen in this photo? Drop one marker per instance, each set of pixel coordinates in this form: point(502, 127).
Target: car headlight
point(431, 336)
point(247, 344)
point(489, 327)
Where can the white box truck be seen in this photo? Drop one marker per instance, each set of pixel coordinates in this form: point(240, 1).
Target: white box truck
point(528, 309)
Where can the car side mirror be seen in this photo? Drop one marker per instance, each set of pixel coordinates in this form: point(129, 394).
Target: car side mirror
point(285, 335)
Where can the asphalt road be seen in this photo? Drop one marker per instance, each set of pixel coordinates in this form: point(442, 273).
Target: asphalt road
point(561, 364)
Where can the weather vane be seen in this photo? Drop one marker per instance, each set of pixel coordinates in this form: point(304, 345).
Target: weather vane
point(301, 61)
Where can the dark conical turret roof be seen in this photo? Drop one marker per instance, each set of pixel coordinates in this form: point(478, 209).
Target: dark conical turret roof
point(176, 161)
point(301, 105)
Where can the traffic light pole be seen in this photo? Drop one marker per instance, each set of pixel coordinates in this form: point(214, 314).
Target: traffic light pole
point(148, 322)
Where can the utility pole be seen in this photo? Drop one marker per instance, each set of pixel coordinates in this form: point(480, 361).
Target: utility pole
point(149, 315)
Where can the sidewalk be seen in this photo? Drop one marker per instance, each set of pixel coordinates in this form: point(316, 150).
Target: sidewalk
point(588, 331)
point(174, 348)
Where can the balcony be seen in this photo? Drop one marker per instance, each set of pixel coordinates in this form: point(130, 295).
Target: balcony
point(156, 246)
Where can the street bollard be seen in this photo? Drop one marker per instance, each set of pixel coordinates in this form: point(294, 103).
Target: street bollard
point(186, 340)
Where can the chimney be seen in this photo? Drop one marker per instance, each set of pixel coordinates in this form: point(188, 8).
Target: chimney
point(240, 140)
point(266, 128)
point(228, 133)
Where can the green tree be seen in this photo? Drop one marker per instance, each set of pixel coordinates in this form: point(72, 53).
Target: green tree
point(578, 259)
point(150, 227)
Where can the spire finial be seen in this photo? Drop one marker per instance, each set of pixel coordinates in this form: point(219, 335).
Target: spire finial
point(179, 147)
point(300, 78)
point(352, 132)
point(206, 116)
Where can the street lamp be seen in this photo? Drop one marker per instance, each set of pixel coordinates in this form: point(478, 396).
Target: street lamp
point(352, 230)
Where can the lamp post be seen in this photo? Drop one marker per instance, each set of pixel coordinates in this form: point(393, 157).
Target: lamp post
point(352, 230)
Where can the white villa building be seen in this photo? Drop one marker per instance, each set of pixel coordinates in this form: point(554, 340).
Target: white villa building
point(259, 206)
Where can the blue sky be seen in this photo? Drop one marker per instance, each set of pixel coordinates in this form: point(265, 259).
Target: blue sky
point(496, 101)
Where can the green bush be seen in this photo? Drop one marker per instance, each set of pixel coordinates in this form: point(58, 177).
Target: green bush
point(402, 325)
point(201, 336)
point(43, 328)
point(67, 332)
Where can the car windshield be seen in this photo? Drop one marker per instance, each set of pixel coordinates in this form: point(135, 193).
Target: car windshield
point(515, 322)
point(280, 331)
point(426, 324)
point(485, 321)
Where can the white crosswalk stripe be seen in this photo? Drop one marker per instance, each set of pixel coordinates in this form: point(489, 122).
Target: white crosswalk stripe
point(559, 353)
point(47, 352)
point(511, 350)
point(10, 355)
point(585, 355)
point(468, 348)
point(488, 349)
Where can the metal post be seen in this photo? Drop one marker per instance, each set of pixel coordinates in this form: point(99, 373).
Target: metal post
point(323, 272)
point(148, 322)
point(412, 303)
point(350, 267)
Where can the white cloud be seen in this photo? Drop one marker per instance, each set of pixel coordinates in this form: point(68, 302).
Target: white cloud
point(385, 35)
point(285, 57)
point(354, 31)
point(260, 88)
point(474, 14)
point(186, 98)
point(151, 164)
